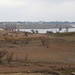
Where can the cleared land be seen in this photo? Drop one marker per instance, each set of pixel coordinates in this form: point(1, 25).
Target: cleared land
point(25, 74)
point(31, 55)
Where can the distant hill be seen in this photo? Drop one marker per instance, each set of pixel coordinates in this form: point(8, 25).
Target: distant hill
point(37, 25)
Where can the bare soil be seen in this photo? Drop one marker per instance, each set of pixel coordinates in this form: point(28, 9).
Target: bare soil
point(31, 56)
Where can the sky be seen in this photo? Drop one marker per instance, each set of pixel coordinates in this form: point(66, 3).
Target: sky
point(37, 10)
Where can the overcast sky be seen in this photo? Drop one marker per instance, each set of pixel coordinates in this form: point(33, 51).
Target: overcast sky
point(37, 10)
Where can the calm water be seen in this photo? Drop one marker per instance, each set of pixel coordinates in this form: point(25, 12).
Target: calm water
point(45, 30)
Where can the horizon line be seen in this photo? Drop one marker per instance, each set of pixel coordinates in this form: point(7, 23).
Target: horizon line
point(37, 21)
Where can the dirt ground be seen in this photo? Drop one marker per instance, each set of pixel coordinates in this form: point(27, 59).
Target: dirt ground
point(25, 74)
point(29, 54)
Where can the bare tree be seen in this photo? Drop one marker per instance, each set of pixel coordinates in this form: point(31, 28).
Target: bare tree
point(26, 34)
point(66, 29)
point(44, 41)
point(60, 29)
point(37, 31)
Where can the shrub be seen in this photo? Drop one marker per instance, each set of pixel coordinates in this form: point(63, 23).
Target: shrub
point(44, 41)
point(2, 54)
point(9, 57)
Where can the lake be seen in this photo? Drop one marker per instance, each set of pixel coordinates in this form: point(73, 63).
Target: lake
point(45, 30)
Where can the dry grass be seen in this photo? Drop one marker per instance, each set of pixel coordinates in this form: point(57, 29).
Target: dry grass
point(25, 74)
point(61, 49)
